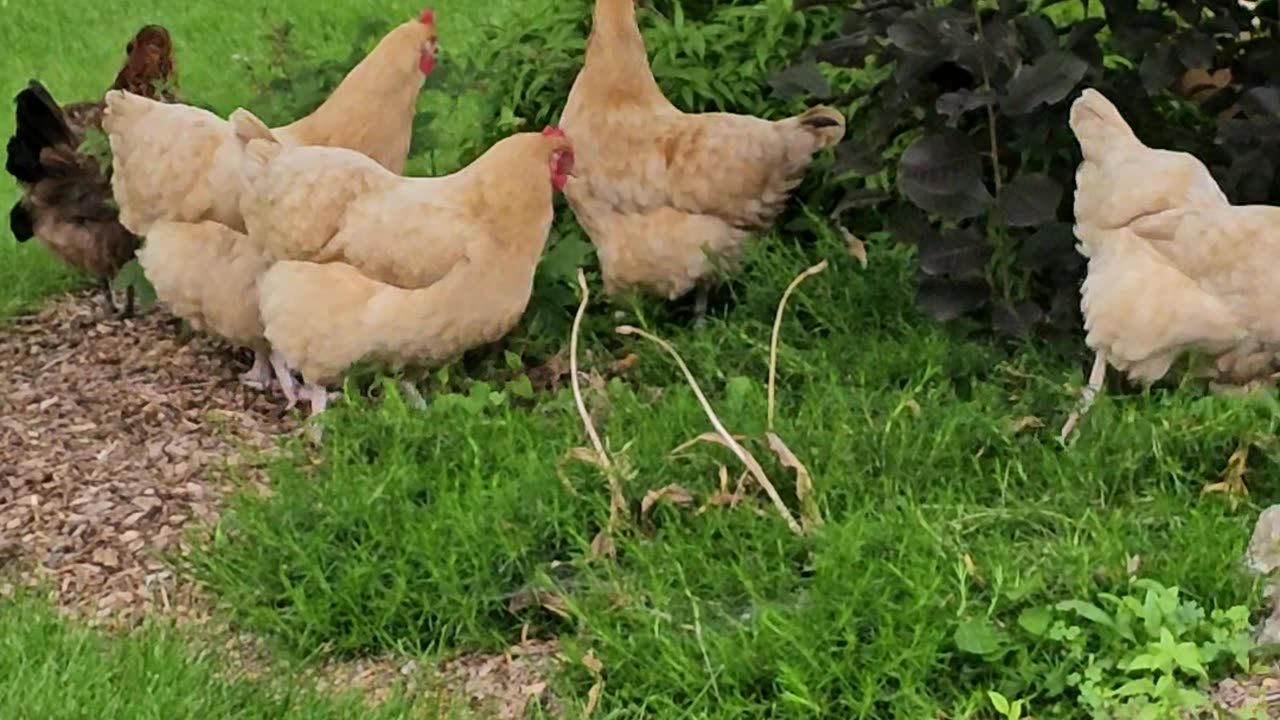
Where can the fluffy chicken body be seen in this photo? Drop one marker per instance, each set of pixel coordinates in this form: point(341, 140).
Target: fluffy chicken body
point(208, 274)
point(181, 163)
point(1173, 266)
point(323, 317)
point(333, 205)
point(664, 194)
point(66, 198)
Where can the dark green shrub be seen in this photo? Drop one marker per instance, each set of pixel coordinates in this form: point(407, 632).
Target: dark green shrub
point(962, 142)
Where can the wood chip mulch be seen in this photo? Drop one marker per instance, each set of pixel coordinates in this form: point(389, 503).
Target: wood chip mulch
point(116, 436)
point(112, 433)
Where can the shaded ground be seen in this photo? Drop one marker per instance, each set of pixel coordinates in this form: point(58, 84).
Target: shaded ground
point(115, 438)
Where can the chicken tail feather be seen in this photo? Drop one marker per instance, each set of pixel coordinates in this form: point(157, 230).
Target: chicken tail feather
point(40, 124)
point(21, 222)
point(260, 144)
point(825, 123)
point(248, 127)
point(1100, 128)
point(120, 105)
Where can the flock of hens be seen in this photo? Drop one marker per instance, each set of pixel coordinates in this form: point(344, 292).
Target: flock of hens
point(306, 244)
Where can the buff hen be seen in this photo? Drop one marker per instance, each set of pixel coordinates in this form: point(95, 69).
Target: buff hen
point(1173, 266)
point(665, 195)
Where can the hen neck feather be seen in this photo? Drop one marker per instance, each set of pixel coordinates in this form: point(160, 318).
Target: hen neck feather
point(618, 64)
point(512, 197)
point(387, 79)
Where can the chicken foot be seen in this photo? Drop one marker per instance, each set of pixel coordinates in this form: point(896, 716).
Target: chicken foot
point(316, 395)
point(258, 376)
point(109, 300)
point(1087, 394)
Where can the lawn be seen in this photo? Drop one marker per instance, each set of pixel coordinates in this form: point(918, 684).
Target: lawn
point(76, 50)
point(50, 669)
point(953, 547)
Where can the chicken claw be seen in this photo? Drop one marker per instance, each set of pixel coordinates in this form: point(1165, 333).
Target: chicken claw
point(1087, 394)
point(258, 377)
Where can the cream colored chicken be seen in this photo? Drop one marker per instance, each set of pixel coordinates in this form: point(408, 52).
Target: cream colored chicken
point(486, 237)
point(207, 274)
point(1173, 266)
point(182, 163)
point(328, 204)
point(664, 194)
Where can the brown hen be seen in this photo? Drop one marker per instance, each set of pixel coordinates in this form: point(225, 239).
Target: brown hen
point(67, 200)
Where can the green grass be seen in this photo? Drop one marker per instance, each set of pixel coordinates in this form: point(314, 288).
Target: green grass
point(417, 525)
point(50, 669)
point(76, 50)
point(948, 503)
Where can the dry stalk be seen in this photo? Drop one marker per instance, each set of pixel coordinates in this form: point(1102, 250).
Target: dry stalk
point(777, 329)
point(747, 459)
point(617, 502)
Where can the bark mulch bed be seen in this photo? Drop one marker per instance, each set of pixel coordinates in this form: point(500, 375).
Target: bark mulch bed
point(118, 436)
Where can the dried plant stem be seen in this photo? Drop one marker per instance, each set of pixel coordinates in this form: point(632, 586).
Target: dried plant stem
point(573, 372)
point(617, 500)
point(753, 466)
point(777, 330)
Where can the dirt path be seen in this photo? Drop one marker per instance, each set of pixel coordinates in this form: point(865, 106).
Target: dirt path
point(117, 436)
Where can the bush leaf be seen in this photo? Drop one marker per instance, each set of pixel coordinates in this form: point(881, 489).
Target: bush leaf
point(1031, 199)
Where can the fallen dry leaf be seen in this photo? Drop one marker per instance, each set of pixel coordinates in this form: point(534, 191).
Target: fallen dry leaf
point(547, 600)
point(593, 698)
point(593, 663)
point(856, 247)
point(810, 513)
point(706, 437)
point(1025, 423)
point(723, 496)
point(602, 546)
point(673, 494)
point(623, 365)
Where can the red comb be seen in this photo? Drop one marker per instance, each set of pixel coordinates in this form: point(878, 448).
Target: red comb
point(553, 131)
point(428, 17)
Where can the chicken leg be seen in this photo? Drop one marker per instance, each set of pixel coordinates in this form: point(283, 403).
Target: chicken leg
point(108, 298)
point(1087, 394)
point(258, 377)
point(129, 295)
point(284, 376)
point(703, 292)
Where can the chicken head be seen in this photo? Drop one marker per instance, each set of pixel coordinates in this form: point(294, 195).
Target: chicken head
point(561, 161)
point(427, 56)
